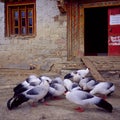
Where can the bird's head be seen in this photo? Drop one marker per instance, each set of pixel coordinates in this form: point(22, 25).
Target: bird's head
point(68, 76)
point(49, 80)
point(32, 77)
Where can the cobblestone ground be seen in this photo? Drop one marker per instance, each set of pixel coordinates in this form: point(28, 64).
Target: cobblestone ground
point(59, 109)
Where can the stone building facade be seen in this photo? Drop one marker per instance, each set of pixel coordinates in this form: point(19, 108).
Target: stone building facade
point(44, 51)
point(62, 34)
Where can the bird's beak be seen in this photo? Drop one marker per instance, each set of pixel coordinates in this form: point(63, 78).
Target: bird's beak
point(65, 92)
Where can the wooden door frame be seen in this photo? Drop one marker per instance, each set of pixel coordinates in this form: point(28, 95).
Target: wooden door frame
point(72, 29)
point(75, 28)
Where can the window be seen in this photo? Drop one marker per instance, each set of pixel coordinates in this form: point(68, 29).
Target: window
point(20, 18)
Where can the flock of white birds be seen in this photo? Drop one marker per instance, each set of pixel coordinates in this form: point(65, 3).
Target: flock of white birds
point(76, 87)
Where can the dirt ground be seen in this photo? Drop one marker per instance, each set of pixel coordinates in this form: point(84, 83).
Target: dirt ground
point(59, 109)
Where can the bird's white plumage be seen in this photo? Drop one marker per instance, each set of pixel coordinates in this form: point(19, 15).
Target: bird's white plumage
point(103, 88)
point(68, 84)
point(25, 83)
point(33, 80)
point(56, 89)
point(45, 78)
point(76, 77)
point(37, 92)
point(58, 80)
point(83, 72)
point(34, 93)
point(83, 98)
point(88, 84)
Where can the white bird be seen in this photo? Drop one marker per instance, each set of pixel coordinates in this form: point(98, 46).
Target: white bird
point(83, 98)
point(74, 76)
point(103, 88)
point(88, 83)
point(32, 80)
point(83, 72)
point(55, 91)
point(34, 93)
point(75, 86)
point(68, 84)
point(45, 78)
point(58, 80)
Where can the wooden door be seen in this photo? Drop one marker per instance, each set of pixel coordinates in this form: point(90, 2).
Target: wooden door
point(114, 31)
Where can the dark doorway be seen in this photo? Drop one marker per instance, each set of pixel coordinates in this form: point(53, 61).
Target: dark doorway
point(96, 31)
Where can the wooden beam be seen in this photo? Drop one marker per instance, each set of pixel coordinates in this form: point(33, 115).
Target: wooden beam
point(93, 70)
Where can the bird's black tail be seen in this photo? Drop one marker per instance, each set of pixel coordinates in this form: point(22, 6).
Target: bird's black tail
point(16, 101)
point(9, 103)
point(19, 91)
point(19, 86)
point(105, 105)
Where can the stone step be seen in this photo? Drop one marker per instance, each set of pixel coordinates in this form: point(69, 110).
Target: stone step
point(17, 72)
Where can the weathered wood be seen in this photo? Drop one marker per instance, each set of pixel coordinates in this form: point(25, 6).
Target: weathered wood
point(93, 69)
point(105, 63)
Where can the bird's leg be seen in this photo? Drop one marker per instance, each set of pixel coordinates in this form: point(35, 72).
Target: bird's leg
point(45, 103)
point(41, 100)
point(103, 96)
point(33, 104)
point(79, 109)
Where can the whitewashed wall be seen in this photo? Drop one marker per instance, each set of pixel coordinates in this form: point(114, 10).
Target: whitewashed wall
point(47, 49)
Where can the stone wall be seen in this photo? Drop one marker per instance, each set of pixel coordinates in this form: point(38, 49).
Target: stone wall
point(47, 50)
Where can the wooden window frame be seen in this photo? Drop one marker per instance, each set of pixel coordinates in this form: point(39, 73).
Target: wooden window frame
point(9, 24)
